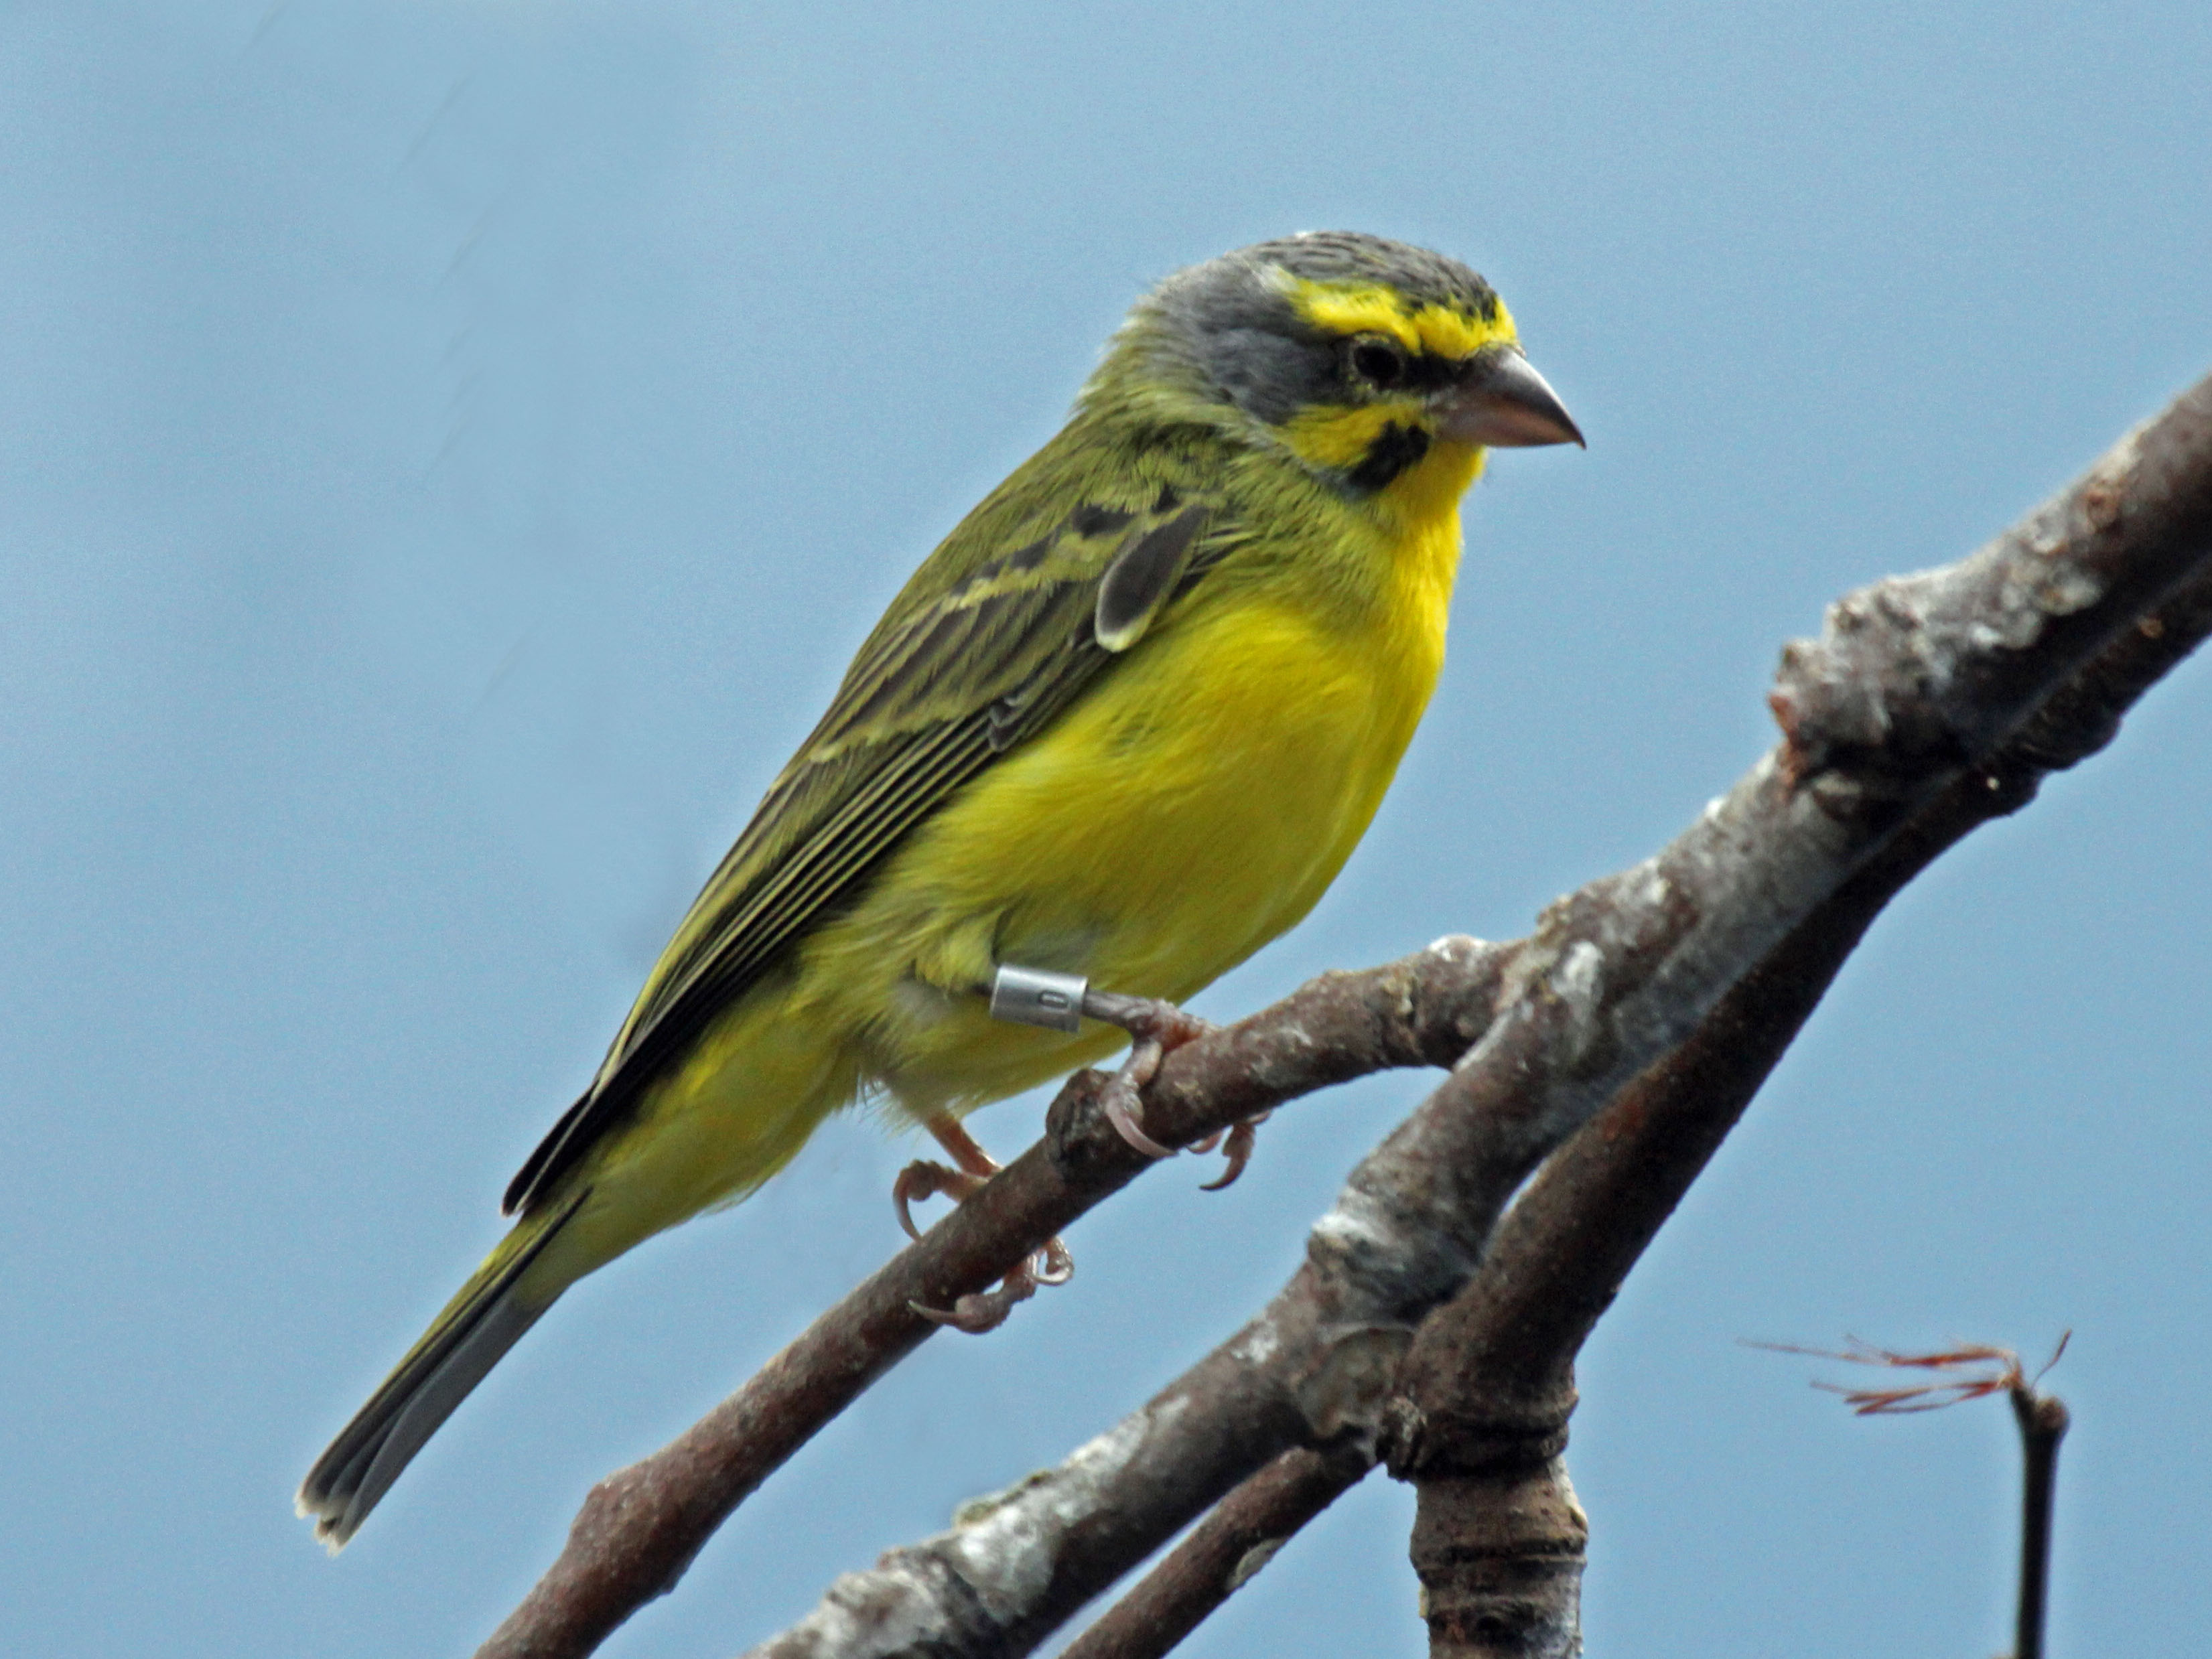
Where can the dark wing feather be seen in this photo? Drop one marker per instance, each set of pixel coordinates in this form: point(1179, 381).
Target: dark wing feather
point(937, 692)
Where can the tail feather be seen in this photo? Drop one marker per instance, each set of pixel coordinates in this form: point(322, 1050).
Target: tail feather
point(484, 1320)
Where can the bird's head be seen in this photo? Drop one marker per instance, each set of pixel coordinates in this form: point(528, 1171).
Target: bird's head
point(1361, 357)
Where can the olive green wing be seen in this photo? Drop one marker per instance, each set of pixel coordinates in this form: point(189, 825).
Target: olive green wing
point(968, 663)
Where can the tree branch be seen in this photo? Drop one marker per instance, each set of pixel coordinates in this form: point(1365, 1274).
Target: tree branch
point(1487, 1385)
point(1915, 684)
point(641, 1527)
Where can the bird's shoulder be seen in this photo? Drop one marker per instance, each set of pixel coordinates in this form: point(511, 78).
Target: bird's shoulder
point(1098, 517)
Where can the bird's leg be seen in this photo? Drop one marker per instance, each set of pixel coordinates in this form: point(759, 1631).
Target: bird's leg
point(1052, 1265)
point(923, 1179)
point(1061, 1002)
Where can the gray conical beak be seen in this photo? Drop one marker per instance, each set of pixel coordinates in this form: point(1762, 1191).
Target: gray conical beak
point(1504, 404)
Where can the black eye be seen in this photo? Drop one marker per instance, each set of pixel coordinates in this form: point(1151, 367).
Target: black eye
point(1378, 362)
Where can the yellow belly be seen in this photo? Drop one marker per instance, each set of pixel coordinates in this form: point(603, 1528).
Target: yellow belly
point(1178, 820)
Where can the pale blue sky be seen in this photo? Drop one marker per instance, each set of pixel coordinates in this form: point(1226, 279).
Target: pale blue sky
point(446, 453)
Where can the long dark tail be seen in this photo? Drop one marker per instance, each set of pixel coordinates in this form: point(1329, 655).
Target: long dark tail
point(481, 1322)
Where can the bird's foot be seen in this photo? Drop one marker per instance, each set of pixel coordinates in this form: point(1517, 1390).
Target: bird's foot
point(988, 1310)
point(1157, 1030)
point(1061, 1002)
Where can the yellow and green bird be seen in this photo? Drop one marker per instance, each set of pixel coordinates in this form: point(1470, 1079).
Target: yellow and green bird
point(1126, 723)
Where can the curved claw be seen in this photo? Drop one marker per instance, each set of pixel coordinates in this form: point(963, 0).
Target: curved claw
point(1052, 1265)
point(1241, 1139)
point(923, 1179)
point(986, 1311)
point(1122, 1102)
point(1126, 1125)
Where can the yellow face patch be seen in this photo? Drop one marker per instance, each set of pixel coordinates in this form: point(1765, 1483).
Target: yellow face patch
point(1371, 308)
point(1426, 492)
point(1341, 438)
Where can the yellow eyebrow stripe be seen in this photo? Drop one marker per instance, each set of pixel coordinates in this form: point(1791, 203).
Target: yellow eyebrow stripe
point(1371, 308)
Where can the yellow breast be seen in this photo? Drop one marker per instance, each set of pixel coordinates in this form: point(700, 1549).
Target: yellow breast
point(1195, 805)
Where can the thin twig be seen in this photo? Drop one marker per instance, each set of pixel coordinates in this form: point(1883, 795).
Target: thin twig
point(1222, 1554)
point(2043, 1421)
point(1975, 1371)
point(1962, 1372)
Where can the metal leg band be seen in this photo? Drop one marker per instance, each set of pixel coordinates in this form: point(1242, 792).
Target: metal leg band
point(1033, 996)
